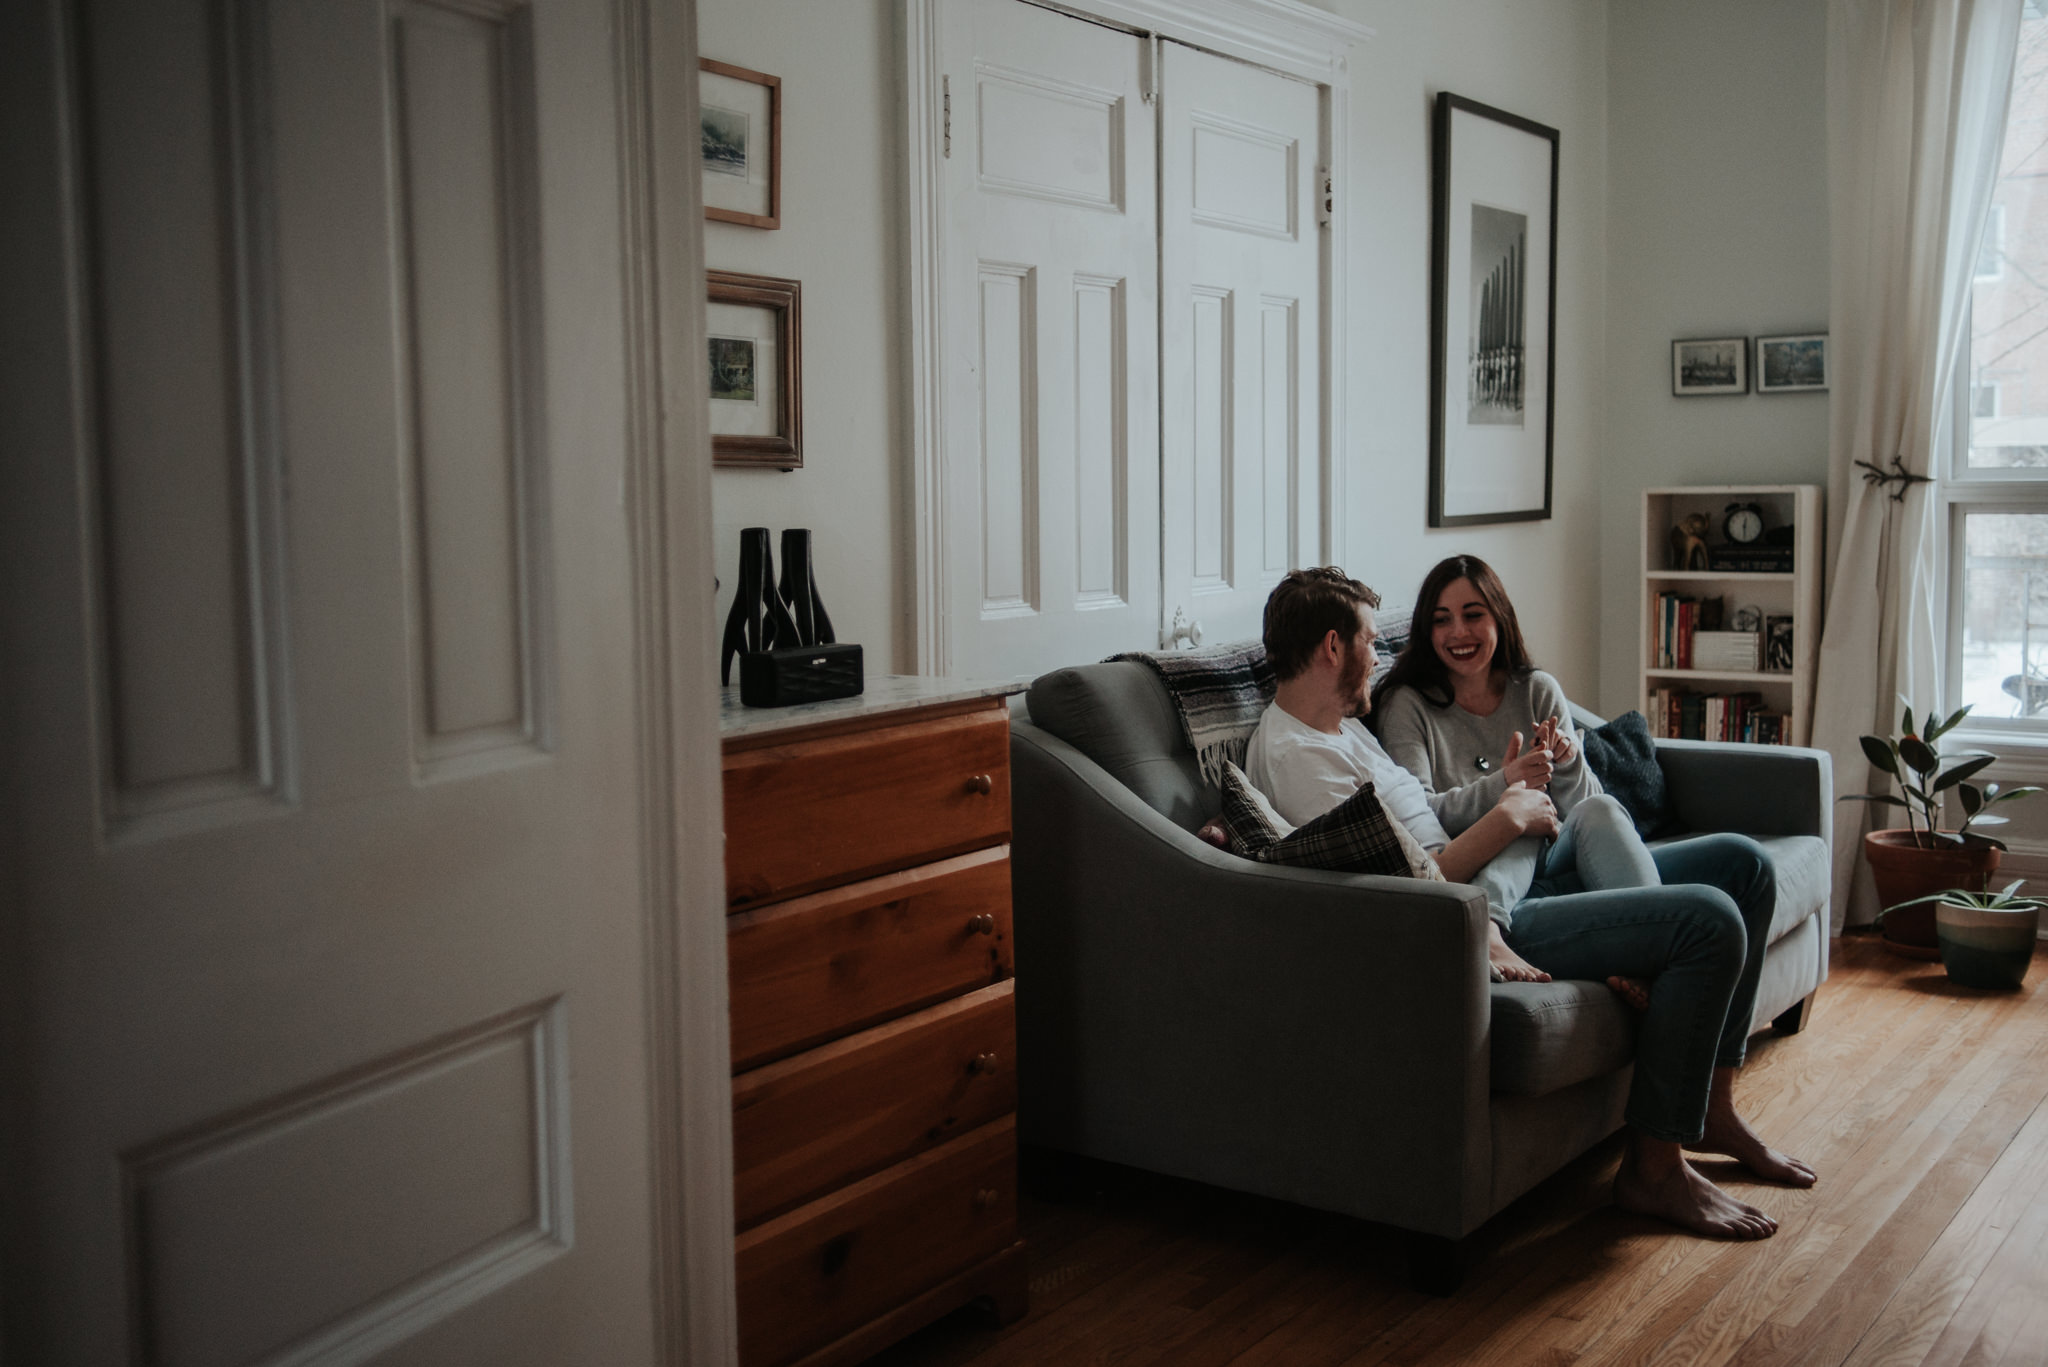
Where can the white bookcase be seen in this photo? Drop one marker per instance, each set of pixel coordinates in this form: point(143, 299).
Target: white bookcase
point(1794, 593)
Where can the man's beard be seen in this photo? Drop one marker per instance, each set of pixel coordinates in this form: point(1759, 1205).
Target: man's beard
point(1351, 683)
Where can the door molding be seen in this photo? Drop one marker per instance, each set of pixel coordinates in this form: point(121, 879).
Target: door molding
point(668, 508)
point(1285, 36)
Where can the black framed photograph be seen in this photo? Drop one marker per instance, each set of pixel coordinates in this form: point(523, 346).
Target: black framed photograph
point(756, 370)
point(1493, 315)
point(1710, 365)
point(741, 115)
point(1778, 644)
point(1795, 363)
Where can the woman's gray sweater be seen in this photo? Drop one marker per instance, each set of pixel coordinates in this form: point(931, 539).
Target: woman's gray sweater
point(1458, 755)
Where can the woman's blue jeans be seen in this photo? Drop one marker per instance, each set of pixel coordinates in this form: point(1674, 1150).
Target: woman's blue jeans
point(1698, 939)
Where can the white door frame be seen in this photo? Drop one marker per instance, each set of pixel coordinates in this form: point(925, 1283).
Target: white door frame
point(667, 496)
point(668, 499)
point(1286, 36)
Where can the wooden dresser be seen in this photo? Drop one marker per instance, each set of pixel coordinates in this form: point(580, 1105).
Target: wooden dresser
point(873, 1037)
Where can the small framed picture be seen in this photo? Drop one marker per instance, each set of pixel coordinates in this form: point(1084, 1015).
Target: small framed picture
point(1788, 365)
point(1778, 644)
point(741, 113)
point(1710, 365)
point(756, 370)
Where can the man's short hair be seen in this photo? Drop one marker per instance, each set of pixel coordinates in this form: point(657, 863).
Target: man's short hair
point(1305, 607)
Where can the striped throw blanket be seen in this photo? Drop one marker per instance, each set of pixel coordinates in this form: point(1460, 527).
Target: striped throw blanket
point(1222, 691)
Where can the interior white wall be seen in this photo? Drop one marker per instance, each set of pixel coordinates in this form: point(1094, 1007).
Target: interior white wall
point(842, 236)
point(1717, 227)
point(1545, 60)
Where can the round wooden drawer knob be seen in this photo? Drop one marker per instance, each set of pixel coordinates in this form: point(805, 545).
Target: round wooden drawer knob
point(982, 1063)
point(985, 1198)
point(984, 924)
point(982, 783)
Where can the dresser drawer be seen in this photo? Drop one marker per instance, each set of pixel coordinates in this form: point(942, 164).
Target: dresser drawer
point(809, 1124)
point(812, 813)
point(833, 1265)
point(807, 971)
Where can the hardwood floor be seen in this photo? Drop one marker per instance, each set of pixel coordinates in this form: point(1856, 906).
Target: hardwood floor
point(1926, 1241)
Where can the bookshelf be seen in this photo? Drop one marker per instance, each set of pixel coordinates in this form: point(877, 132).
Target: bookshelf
point(1672, 661)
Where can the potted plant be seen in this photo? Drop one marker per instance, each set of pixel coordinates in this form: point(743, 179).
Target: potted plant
point(1913, 865)
point(1987, 938)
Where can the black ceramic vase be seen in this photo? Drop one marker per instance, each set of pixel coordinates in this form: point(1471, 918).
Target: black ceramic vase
point(800, 590)
point(758, 620)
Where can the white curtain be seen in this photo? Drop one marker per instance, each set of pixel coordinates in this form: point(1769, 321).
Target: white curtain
point(1916, 100)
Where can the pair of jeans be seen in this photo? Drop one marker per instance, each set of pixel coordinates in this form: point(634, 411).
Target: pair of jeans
point(1597, 841)
point(1698, 938)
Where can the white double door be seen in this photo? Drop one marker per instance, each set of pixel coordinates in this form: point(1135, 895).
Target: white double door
point(323, 936)
point(1133, 404)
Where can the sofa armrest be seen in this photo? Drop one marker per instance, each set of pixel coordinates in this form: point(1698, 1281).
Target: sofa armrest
point(1753, 789)
point(1313, 1036)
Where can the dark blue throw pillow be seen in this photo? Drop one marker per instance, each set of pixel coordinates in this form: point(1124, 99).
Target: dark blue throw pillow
point(1624, 759)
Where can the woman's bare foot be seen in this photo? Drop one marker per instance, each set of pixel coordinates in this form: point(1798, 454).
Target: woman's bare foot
point(1729, 1135)
point(1675, 1191)
point(1634, 991)
point(1508, 965)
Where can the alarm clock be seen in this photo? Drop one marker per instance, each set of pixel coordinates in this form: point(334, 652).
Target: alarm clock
point(1746, 618)
point(1742, 523)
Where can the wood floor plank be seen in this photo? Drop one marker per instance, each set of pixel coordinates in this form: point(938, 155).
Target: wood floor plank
point(1924, 1107)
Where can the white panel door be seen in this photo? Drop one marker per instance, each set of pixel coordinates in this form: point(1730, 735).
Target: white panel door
point(1051, 474)
point(325, 1037)
point(1240, 338)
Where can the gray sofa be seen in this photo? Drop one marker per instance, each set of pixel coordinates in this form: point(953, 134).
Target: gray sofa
point(1323, 1038)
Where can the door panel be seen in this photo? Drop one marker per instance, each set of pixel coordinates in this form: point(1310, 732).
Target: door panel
point(331, 1033)
point(1240, 273)
point(1051, 403)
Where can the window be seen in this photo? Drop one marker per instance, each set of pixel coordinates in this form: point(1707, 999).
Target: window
point(1996, 495)
point(1991, 251)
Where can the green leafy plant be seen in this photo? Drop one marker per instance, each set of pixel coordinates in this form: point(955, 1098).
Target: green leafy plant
point(1915, 762)
point(2002, 900)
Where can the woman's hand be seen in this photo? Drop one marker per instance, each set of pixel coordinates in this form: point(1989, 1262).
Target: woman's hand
point(1531, 766)
point(1528, 810)
point(1558, 739)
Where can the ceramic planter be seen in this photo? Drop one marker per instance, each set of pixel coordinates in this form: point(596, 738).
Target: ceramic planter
point(1982, 948)
point(1904, 870)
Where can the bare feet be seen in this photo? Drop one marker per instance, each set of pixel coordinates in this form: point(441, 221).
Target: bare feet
point(1729, 1135)
point(1679, 1194)
point(1507, 965)
point(1634, 991)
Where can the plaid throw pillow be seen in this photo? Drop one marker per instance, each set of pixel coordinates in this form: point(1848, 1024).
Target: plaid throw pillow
point(1358, 835)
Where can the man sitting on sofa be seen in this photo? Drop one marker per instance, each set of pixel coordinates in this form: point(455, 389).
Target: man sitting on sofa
point(1310, 752)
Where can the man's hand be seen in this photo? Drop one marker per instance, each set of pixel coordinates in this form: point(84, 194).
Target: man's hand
point(1528, 810)
point(1531, 766)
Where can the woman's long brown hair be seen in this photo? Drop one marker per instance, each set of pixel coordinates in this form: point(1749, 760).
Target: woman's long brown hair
point(1418, 666)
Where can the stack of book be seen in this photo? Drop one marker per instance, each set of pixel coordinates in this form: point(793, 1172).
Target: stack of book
point(1684, 715)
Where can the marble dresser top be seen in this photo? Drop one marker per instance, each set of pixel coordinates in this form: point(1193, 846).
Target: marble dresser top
point(885, 693)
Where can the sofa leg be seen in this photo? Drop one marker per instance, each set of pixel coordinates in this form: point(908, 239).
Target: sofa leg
point(1436, 1265)
point(1792, 1019)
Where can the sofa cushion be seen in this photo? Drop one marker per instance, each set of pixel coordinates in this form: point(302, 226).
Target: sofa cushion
point(1358, 835)
point(1119, 715)
point(1554, 1034)
point(1624, 759)
point(1804, 877)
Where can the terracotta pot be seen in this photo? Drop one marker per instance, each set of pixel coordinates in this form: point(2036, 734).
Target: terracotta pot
point(1903, 869)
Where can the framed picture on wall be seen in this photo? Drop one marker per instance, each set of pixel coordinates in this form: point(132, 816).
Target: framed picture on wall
point(1493, 315)
point(1792, 364)
point(741, 115)
point(756, 370)
point(1709, 365)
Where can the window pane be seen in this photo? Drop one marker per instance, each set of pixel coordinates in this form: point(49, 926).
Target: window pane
point(2009, 302)
point(2005, 614)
